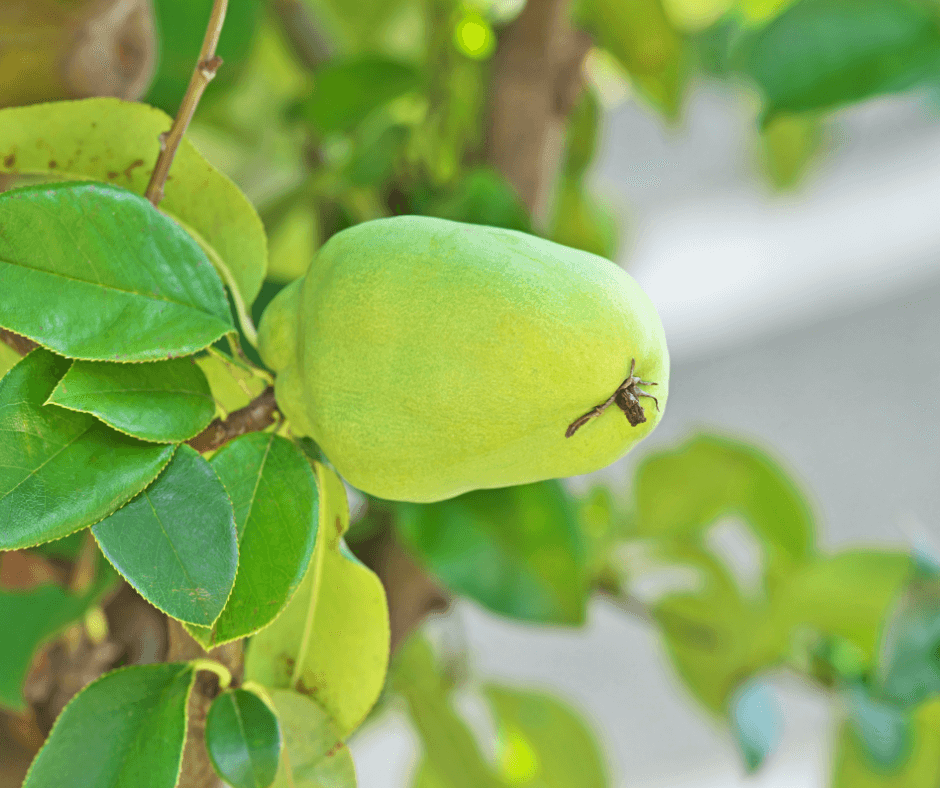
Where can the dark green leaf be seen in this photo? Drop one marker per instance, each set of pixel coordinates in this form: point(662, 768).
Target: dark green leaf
point(314, 753)
point(373, 161)
point(275, 497)
point(346, 92)
point(824, 53)
point(331, 642)
point(181, 26)
point(756, 722)
point(542, 743)
point(884, 728)
point(96, 272)
point(482, 196)
point(582, 131)
point(30, 618)
point(684, 491)
point(118, 141)
point(243, 739)
point(166, 401)
point(516, 550)
point(59, 470)
point(176, 542)
point(125, 730)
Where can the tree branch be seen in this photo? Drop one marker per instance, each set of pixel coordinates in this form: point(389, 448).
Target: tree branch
point(203, 74)
point(20, 344)
point(304, 34)
point(536, 67)
point(254, 417)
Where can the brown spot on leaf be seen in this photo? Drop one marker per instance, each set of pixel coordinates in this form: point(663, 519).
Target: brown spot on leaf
point(10, 161)
point(303, 689)
point(112, 175)
point(339, 526)
point(335, 749)
point(53, 164)
point(135, 163)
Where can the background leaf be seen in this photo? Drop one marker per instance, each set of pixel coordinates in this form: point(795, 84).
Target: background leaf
point(118, 141)
point(824, 53)
point(684, 491)
point(543, 743)
point(274, 494)
point(756, 722)
point(853, 767)
point(516, 550)
point(314, 755)
point(30, 618)
point(165, 401)
point(452, 758)
point(335, 627)
point(60, 470)
point(883, 728)
point(125, 730)
point(97, 272)
point(175, 543)
point(346, 92)
point(181, 25)
point(243, 739)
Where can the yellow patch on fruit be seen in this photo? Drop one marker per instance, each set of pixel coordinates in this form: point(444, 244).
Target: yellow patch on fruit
point(428, 357)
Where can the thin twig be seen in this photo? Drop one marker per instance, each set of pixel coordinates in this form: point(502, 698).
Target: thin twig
point(257, 415)
point(203, 74)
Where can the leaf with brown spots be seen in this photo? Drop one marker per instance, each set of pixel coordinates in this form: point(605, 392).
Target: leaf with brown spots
point(335, 629)
point(106, 139)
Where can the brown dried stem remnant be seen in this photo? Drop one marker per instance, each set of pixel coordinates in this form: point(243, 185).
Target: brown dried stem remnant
point(203, 74)
point(254, 417)
point(627, 396)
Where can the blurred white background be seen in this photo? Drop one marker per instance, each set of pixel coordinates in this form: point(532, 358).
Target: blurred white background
point(808, 322)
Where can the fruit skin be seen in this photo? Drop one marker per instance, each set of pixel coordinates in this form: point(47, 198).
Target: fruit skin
point(428, 357)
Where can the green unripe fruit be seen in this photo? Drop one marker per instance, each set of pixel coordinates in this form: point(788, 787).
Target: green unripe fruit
point(428, 358)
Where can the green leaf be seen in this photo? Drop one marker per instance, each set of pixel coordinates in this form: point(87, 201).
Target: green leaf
point(516, 550)
point(346, 92)
point(582, 132)
point(756, 722)
point(684, 491)
point(59, 470)
point(165, 402)
point(274, 493)
point(581, 221)
point(638, 33)
point(853, 766)
point(314, 755)
point(125, 730)
point(332, 640)
point(175, 543)
point(791, 143)
point(824, 53)
point(543, 743)
point(181, 26)
point(8, 358)
point(373, 161)
point(118, 141)
point(909, 662)
point(232, 387)
point(31, 618)
point(452, 756)
point(96, 272)
point(481, 196)
point(714, 635)
point(243, 739)
point(883, 728)
point(847, 594)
